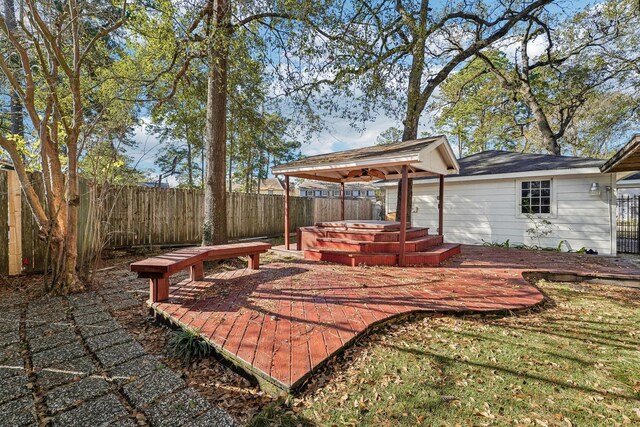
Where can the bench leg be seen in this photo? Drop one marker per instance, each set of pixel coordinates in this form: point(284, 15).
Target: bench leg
point(158, 289)
point(254, 262)
point(197, 272)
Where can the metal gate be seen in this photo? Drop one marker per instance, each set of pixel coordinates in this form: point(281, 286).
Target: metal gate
point(628, 224)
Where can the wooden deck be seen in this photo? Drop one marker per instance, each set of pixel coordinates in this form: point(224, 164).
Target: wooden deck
point(282, 322)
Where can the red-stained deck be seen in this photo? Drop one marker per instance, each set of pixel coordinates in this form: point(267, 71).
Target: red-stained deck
point(283, 321)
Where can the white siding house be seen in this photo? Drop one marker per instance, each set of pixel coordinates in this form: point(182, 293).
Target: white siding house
point(485, 202)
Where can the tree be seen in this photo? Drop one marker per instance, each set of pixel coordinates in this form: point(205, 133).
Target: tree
point(389, 136)
point(393, 55)
point(214, 28)
point(581, 58)
point(180, 125)
point(53, 45)
point(472, 107)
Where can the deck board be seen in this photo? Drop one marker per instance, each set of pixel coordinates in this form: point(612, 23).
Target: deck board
point(284, 321)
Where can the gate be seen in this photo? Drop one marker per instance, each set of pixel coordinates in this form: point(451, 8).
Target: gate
point(628, 224)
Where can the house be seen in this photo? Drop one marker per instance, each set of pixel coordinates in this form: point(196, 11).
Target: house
point(352, 190)
point(267, 186)
point(531, 199)
point(155, 184)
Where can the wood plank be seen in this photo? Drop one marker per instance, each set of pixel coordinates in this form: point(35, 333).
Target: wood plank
point(4, 225)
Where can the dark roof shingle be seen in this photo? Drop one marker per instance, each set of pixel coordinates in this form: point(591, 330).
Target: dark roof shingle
point(495, 162)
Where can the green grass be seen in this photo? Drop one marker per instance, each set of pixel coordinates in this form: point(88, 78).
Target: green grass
point(188, 346)
point(576, 363)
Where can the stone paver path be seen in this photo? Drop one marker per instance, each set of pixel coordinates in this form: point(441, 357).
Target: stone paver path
point(66, 361)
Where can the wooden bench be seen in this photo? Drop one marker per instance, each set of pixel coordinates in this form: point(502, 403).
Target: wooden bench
point(158, 269)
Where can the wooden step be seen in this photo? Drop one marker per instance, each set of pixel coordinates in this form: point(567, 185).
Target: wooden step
point(375, 236)
point(347, 245)
point(432, 256)
point(360, 225)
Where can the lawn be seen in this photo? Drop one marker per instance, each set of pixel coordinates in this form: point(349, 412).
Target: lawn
point(576, 362)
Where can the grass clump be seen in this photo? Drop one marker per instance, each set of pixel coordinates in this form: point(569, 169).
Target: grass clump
point(187, 345)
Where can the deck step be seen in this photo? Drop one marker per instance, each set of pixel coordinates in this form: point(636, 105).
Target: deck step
point(347, 245)
point(375, 236)
point(433, 256)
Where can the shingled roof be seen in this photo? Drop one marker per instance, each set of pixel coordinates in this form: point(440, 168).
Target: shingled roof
point(494, 162)
point(396, 148)
point(426, 156)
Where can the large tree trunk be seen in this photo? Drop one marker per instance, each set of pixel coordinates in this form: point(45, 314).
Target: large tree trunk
point(215, 196)
point(415, 105)
point(17, 123)
point(549, 137)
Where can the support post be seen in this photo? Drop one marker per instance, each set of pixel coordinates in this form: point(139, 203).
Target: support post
point(441, 207)
point(196, 272)
point(286, 212)
point(403, 216)
point(158, 289)
point(342, 201)
point(254, 261)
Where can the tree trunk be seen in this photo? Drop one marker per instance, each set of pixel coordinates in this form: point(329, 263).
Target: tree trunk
point(230, 174)
point(17, 123)
point(542, 122)
point(189, 159)
point(215, 196)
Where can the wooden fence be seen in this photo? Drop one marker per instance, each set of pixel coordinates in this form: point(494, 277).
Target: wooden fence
point(4, 223)
point(139, 216)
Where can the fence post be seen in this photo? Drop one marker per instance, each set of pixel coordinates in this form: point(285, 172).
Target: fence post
point(15, 223)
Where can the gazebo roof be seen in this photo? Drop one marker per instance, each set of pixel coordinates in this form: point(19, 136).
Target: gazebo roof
point(627, 159)
point(424, 157)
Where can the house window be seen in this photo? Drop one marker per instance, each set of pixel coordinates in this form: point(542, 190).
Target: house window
point(356, 193)
point(269, 191)
point(535, 197)
point(317, 193)
point(348, 193)
point(371, 193)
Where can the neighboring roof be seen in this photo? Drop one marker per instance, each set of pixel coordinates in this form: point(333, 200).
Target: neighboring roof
point(496, 162)
point(271, 184)
point(427, 156)
point(265, 184)
point(319, 185)
point(627, 159)
point(631, 181)
point(154, 184)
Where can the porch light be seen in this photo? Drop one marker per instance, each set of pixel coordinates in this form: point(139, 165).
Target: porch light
point(595, 189)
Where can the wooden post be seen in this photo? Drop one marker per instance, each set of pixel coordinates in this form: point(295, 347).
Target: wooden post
point(254, 261)
point(286, 212)
point(441, 207)
point(158, 289)
point(403, 216)
point(342, 201)
point(196, 272)
point(15, 223)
